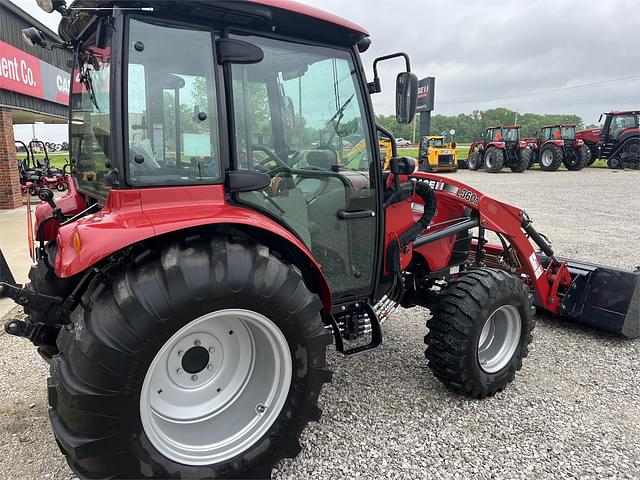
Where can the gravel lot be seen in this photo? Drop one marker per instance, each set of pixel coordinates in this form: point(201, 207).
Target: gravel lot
point(573, 411)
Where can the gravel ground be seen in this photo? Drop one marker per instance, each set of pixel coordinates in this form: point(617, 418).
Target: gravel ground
point(571, 413)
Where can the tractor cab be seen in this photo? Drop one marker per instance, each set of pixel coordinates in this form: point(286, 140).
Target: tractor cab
point(617, 123)
point(558, 132)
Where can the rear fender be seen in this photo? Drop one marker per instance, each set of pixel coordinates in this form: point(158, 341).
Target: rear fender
point(71, 203)
point(132, 216)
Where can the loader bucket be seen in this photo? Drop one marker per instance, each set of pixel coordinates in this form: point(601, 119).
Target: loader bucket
point(602, 297)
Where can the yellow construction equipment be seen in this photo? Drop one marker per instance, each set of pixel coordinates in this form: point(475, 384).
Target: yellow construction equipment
point(436, 155)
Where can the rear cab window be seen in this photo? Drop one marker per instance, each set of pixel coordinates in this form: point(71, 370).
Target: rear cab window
point(171, 106)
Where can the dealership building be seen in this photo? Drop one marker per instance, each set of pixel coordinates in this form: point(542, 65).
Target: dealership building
point(34, 87)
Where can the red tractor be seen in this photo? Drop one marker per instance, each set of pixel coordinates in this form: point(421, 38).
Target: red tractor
point(502, 146)
point(618, 141)
point(187, 287)
point(558, 145)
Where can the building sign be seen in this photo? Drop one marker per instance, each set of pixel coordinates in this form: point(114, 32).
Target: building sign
point(28, 75)
point(426, 94)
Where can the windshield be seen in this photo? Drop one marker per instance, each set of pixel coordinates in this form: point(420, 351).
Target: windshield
point(568, 133)
point(90, 127)
point(436, 142)
point(510, 134)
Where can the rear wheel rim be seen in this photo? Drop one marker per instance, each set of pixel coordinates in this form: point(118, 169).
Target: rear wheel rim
point(547, 158)
point(216, 387)
point(499, 338)
point(489, 160)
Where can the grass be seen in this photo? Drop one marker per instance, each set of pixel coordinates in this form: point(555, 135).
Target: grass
point(57, 160)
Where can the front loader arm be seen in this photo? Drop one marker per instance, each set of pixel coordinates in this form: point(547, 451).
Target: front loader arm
point(596, 295)
point(512, 223)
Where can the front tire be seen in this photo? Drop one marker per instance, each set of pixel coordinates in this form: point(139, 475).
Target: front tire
point(551, 158)
point(121, 408)
point(474, 162)
point(480, 332)
point(493, 160)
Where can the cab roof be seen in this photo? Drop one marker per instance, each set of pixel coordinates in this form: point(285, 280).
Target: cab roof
point(286, 17)
point(624, 112)
point(503, 126)
point(566, 125)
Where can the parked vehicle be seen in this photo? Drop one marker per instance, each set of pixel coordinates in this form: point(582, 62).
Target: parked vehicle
point(36, 174)
point(501, 147)
point(436, 155)
point(617, 142)
point(558, 145)
point(185, 304)
point(401, 142)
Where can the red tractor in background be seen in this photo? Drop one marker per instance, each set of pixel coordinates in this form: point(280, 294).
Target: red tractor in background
point(186, 288)
point(558, 145)
point(617, 142)
point(502, 146)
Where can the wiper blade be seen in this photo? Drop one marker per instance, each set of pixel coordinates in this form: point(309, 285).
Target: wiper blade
point(340, 113)
point(87, 81)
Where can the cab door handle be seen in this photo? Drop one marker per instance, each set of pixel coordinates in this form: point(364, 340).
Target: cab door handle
point(349, 215)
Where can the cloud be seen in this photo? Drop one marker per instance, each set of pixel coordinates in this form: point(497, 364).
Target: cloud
point(499, 53)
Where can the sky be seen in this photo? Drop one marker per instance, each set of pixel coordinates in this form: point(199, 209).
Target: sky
point(540, 56)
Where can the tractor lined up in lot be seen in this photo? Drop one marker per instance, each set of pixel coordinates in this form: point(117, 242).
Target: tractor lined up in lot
point(617, 142)
point(501, 147)
point(436, 155)
point(185, 289)
point(558, 145)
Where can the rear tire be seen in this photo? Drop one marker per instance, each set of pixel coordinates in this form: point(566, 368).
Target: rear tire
point(551, 158)
point(101, 378)
point(474, 162)
point(493, 160)
point(593, 149)
point(523, 160)
point(579, 160)
point(466, 322)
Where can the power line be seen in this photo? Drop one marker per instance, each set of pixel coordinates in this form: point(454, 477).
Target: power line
point(540, 92)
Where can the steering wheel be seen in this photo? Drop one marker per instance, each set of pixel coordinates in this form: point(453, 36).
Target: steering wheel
point(271, 156)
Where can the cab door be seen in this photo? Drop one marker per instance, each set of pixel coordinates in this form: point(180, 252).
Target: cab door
point(300, 117)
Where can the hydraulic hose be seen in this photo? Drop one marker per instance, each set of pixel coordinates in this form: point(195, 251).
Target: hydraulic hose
point(428, 197)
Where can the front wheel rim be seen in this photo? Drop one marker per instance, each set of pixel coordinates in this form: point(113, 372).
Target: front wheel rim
point(216, 387)
point(499, 338)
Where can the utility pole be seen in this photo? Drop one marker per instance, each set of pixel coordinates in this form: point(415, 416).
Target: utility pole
point(415, 123)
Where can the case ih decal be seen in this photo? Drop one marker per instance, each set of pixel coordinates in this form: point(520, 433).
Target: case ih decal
point(439, 185)
point(28, 75)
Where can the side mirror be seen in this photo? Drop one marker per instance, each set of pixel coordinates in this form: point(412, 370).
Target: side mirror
point(406, 97)
point(402, 165)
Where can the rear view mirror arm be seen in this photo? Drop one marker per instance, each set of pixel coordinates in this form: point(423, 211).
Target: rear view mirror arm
point(375, 86)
